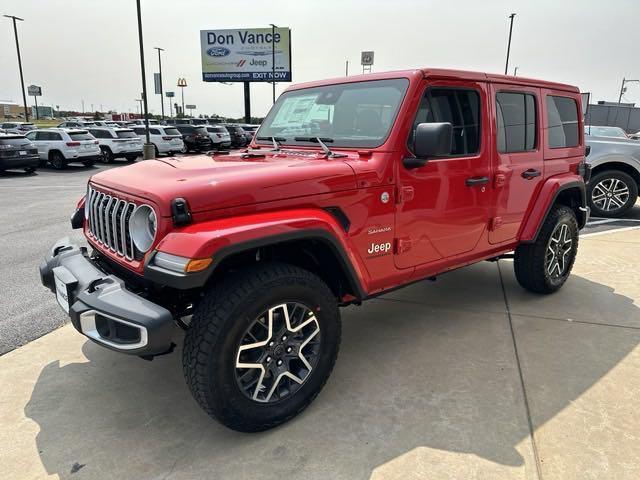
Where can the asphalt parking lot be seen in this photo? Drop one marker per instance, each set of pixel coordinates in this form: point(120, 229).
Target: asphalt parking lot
point(466, 377)
point(41, 205)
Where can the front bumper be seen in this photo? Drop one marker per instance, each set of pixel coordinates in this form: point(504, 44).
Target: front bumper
point(101, 307)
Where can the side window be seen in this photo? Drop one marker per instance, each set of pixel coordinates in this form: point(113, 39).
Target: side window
point(154, 131)
point(562, 117)
point(461, 108)
point(55, 136)
point(516, 122)
point(31, 135)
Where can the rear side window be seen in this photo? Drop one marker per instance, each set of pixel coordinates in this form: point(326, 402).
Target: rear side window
point(77, 136)
point(55, 136)
point(562, 117)
point(127, 134)
point(154, 131)
point(461, 108)
point(171, 131)
point(516, 118)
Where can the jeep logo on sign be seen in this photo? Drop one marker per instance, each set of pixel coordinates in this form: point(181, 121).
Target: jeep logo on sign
point(376, 248)
point(218, 52)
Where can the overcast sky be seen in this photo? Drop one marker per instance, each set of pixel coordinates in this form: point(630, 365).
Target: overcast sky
point(88, 49)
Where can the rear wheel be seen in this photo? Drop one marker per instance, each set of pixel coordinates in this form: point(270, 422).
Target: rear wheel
point(261, 346)
point(57, 161)
point(545, 265)
point(106, 156)
point(157, 152)
point(89, 163)
point(611, 193)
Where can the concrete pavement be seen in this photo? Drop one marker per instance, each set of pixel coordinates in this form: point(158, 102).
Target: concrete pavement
point(465, 377)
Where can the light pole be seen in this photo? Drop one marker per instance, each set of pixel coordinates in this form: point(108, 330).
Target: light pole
point(24, 96)
point(623, 89)
point(148, 150)
point(182, 82)
point(273, 59)
point(160, 70)
point(506, 66)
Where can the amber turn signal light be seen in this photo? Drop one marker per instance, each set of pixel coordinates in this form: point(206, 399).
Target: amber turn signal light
point(197, 264)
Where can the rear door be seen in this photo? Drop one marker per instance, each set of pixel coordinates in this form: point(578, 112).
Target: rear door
point(518, 156)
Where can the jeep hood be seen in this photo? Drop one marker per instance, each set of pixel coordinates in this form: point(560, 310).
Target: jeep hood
point(223, 181)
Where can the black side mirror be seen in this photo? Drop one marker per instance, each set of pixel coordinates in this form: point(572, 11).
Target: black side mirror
point(430, 140)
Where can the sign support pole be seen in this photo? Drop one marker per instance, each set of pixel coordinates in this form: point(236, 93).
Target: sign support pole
point(247, 102)
point(35, 99)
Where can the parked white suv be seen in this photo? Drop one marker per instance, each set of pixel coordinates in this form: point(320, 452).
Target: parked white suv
point(76, 124)
point(61, 146)
point(117, 143)
point(17, 127)
point(166, 139)
point(219, 136)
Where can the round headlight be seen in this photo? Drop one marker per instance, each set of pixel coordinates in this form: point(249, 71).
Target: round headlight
point(143, 225)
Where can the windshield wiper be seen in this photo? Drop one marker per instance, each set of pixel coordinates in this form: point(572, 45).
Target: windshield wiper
point(276, 141)
point(321, 141)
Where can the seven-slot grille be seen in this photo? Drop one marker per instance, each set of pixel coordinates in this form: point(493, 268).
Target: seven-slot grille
point(108, 222)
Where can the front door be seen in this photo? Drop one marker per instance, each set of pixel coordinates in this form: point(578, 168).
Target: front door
point(443, 208)
point(518, 158)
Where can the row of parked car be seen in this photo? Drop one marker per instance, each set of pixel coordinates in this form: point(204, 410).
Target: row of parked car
point(87, 142)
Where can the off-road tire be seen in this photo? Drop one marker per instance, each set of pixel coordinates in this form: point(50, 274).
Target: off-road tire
point(627, 179)
point(529, 262)
point(57, 161)
point(218, 325)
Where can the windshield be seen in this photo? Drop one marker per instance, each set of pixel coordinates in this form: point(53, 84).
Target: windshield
point(605, 132)
point(348, 115)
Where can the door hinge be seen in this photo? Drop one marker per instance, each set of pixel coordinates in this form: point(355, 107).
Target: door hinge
point(402, 245)
point(405, 194)
point(495, 223)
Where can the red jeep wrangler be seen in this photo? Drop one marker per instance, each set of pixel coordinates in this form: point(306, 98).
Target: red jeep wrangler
point(351, 188)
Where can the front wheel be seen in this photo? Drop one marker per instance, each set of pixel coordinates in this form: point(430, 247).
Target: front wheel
point(106, 156)
point(611, 193)
point(544, 266)
point(261, 346)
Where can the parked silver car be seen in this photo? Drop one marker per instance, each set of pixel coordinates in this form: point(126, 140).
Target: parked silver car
point(615, 171)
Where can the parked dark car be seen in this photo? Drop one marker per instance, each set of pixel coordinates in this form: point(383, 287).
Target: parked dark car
point(17, 152)
point(195, 138)
point(238, 137)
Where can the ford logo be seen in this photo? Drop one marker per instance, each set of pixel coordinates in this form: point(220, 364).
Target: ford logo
point(218, 52)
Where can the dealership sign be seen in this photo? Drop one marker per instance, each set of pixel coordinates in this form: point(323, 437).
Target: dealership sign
point(246, 55)
point(34, 90)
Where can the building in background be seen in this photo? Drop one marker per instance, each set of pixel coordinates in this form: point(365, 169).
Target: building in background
point(11, 109)
point(613, 114)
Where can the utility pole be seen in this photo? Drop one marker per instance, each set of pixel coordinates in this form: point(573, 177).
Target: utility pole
point(24, 96)
point(506, 66)
point(148, 150)
point(623, 89)
point(160, 70)
point(273, 60)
